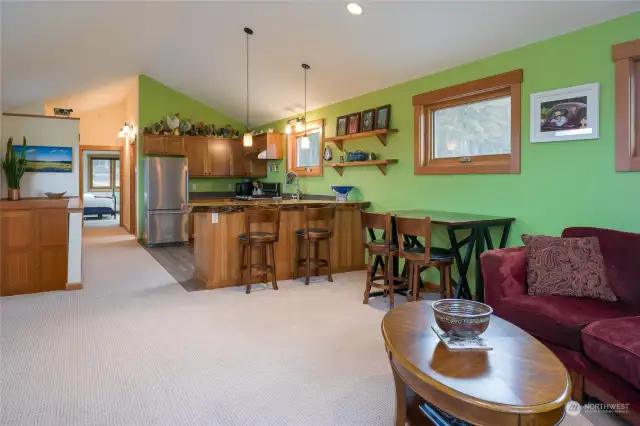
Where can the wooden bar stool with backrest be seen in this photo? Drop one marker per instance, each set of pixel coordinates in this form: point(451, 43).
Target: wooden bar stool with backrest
point(264, 240)
point(314, 235)
point(379, 247)
point(422, 258)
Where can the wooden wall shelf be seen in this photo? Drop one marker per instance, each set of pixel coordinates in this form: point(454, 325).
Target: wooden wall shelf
point(380, 134)
point(382, 165)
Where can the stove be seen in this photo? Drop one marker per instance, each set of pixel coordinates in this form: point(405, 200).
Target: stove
point(256, 197)
point(267, 191)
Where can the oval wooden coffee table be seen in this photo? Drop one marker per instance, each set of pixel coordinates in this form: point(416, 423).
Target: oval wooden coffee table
point(520, 382)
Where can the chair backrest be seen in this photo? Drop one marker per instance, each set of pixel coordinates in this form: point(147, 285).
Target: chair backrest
point(326, 215)
point(372, 222)
point(412, 227)
point(268, 220)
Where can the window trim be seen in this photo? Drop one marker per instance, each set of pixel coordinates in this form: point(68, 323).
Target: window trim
point(112, 173)
point(501, 85)
point(315, 171)
point(626, 56)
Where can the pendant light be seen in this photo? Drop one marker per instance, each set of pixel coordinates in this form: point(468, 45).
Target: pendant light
point(247, 140)
point(304, 142)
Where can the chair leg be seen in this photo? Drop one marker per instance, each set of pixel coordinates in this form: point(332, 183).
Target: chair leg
point(367, 288)
point(242, 256)
point(249, 268)
point(443, 281)
point(329, 277)
point(447, 277)
point(415, 277)
point(308, 266)
point(296, 263)
point(389, 282)
point(274, 283)
point(316, 258)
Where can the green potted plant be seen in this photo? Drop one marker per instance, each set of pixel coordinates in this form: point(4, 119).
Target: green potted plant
point(14, 166)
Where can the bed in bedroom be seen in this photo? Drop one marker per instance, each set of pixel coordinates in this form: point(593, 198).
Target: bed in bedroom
point(99, 205)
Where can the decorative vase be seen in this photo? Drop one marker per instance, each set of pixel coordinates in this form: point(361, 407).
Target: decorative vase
point(14, 194)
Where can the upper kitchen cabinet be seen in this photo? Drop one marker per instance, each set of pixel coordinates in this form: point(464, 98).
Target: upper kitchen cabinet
point(259, 145)
point(269, 146)
point(163, 145)
point(219, 163)
point(197, 152)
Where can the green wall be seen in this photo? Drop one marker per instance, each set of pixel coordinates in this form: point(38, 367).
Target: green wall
point(157, 101)
point(562, 183)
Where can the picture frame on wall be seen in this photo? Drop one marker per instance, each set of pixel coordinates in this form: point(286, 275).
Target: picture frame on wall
point(568, 114)
point(353, 125)
point(383, 115)
point(47, 159)
point(368, 120)
point(341, 125)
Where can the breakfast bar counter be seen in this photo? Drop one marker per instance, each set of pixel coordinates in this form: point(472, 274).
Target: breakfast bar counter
point(218, 223)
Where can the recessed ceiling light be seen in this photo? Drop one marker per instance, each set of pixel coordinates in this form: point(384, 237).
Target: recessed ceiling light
point(354, 8)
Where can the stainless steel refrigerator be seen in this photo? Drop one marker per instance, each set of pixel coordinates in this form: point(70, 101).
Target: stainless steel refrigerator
point(166, 181)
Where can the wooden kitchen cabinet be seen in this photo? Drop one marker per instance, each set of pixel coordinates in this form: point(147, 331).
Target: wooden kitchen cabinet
point(219, 163)
point(34, 246)
point(163, 145)
point(237, 158)
point(273, 146)
point(197, 153)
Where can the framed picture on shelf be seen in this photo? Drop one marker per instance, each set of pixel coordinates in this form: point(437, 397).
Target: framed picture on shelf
point(383, 113)
point(368, 120)
point(341, 126)
point(354, 123)
point(567, 114)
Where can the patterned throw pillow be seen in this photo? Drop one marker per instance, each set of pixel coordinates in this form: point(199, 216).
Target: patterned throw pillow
point(566, 267)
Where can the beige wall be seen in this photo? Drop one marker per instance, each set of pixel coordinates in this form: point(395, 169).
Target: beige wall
point(100, 126)
point(130, 116)
point(43, 132)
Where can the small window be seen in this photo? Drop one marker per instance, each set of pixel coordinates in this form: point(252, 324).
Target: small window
point(302, 159)
point(626, 57)
point(104, 173)
point(470, 128)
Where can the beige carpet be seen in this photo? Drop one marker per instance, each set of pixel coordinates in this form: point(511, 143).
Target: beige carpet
point(134, 348)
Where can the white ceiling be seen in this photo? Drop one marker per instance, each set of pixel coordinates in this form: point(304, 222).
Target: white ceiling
point(53, 49)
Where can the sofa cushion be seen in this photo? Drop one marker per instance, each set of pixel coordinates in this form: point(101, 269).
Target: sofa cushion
point(621, 251)
point(614, 344)
point(566, 267)
point(559, 319)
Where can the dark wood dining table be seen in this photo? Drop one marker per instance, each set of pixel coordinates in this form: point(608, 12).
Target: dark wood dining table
point(479, 227)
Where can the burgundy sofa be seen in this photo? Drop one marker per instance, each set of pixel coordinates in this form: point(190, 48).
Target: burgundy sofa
point(598, 341)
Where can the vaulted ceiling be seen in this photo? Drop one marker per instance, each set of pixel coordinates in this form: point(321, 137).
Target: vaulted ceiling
point(53, 49)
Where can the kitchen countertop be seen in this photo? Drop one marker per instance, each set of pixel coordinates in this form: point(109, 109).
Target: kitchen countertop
point(239, 205)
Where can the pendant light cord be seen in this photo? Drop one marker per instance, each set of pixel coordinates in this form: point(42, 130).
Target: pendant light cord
point(305, 101)
point(247, 121)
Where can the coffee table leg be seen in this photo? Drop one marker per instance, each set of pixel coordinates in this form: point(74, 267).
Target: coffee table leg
point(401, 398)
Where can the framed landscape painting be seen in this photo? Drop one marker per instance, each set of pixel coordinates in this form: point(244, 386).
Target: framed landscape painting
point(48, 159)
point(565, 114)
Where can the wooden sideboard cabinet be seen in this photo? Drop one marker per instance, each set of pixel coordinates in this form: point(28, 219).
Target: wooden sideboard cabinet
point(34, 237)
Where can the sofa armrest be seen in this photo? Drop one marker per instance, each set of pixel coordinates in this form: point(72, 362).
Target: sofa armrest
point(504, 272)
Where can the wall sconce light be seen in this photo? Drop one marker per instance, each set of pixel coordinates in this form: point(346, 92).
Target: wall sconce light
point(128, 132)
point(298, 122)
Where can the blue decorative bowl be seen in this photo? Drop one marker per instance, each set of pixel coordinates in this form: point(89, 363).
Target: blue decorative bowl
point(341, 191)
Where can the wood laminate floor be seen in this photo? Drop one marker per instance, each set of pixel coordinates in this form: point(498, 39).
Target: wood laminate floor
point(179, 262)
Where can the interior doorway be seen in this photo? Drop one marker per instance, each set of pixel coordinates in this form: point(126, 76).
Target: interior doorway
point(101, 176)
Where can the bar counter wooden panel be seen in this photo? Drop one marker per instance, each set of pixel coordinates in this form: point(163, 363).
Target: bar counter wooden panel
point(217, 250)
point(33, 245)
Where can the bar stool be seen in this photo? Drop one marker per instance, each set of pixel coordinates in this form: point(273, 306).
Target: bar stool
point(263, 240)
point(308, 235)
point(421, 258)
point(383, 248)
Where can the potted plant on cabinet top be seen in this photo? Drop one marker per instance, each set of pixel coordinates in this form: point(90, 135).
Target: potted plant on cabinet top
point(14, 166)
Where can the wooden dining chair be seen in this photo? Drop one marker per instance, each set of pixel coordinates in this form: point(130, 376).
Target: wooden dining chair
point(310, 235)
point(264, 219)
point(422, 258)
point(382, 247)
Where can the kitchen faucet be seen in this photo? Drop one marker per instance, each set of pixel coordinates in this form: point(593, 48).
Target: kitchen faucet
point(290, 177)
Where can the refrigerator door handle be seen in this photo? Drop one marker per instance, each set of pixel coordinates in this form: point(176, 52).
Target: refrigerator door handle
point(152, 212)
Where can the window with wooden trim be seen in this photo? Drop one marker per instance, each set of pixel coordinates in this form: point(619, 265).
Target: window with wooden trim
point(470, 128)
point(306, 160)
point(104, 173)
point(626, 57)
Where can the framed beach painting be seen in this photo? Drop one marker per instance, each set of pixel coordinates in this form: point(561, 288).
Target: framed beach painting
point(565, 114)
point(48, 159)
